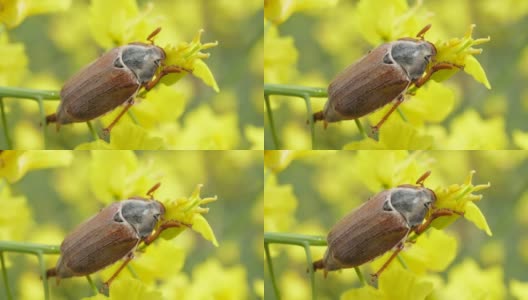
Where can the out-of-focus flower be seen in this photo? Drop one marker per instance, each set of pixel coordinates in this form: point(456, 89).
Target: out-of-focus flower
point(468, 281)
point(255, 136)
point(280, 58)
point(395, 284)
point(129, 288)
point(395, 135)
point(14, 67)
point(126, 136)
point(15, 215)
point(279, 205)
point(13, 12)
point(519, 289)
point(278, 11)
point(520, 139)
point(15, 164)
point(278, 160)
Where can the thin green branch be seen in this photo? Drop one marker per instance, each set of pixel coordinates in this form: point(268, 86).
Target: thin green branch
point(25, 93)
point(272, 123)
point(311, 270)
point(4, 124)
point(31, 248)
point(4, 276)
point(42, 120)
point(294, 90)
point(272, 273)
point(43, 274)
point(310, 118)
point(294, 239)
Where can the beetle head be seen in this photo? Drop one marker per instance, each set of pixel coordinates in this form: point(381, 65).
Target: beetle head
point(413, 56)
point(142, 215)
point(143, 59)
point(413, 203)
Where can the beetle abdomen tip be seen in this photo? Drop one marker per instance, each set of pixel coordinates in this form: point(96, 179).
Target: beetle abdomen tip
point(51, 118)
point(318, 116)
point(51, 272)
point(318, 264)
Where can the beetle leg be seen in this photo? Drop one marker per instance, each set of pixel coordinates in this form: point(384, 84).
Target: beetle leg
point(150, 192)
point(439, 212)
point(423, 31)
point(162, 227)
point(435, 68)
point(128, 258)
point(399, 101)
point(422, 178)
point(128, 104)
point(153, 34)
point(164, 71)
point(399, 248)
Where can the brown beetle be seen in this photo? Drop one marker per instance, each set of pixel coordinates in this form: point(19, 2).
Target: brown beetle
point(112, 80)
point(379, 225)
point(112, 234)
point(381, 76)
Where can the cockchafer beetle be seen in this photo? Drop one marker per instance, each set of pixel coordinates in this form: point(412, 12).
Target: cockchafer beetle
point(381, 76)
point(379, 225)
point(112, 234)
point(112, 80)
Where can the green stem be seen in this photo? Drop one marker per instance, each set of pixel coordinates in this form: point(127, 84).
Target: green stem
point(42, 265)
point(402, 262)
point(294, 239)
point(24, 93)
point(31, 248)
point(311, 270)
point(272, 123)
point(402, 115)
point(360, 276)
point(92, 131)
point(294, 90)
point(310, 119)
point(272, 273)
point(42, 119)
point(360, 128)
point(92, 284)
point(4, 276)
point(4, 124)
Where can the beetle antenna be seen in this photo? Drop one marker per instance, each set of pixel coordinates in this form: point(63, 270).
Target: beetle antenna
point(422, 178)
point(423, 31)
point(154, 33)
point(150, 192)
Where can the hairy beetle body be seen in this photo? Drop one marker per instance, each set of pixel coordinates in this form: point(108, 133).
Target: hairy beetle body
point(110, 81)
point(107, 237)
point(379, 225)
point(380, 77)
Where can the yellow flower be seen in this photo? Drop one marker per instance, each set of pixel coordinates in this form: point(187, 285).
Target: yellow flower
point(460, 51)
point(189, 55)
point(13, 12)
point(255, 135)
point(15, 164)
point(189, 211)
point(519, 289)
point(520, 139)
point(460, 197)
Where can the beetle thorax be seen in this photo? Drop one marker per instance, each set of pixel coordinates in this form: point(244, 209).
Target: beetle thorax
point(412, 203)
point(413, 56)
point(142, 215)
point(143, 60)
